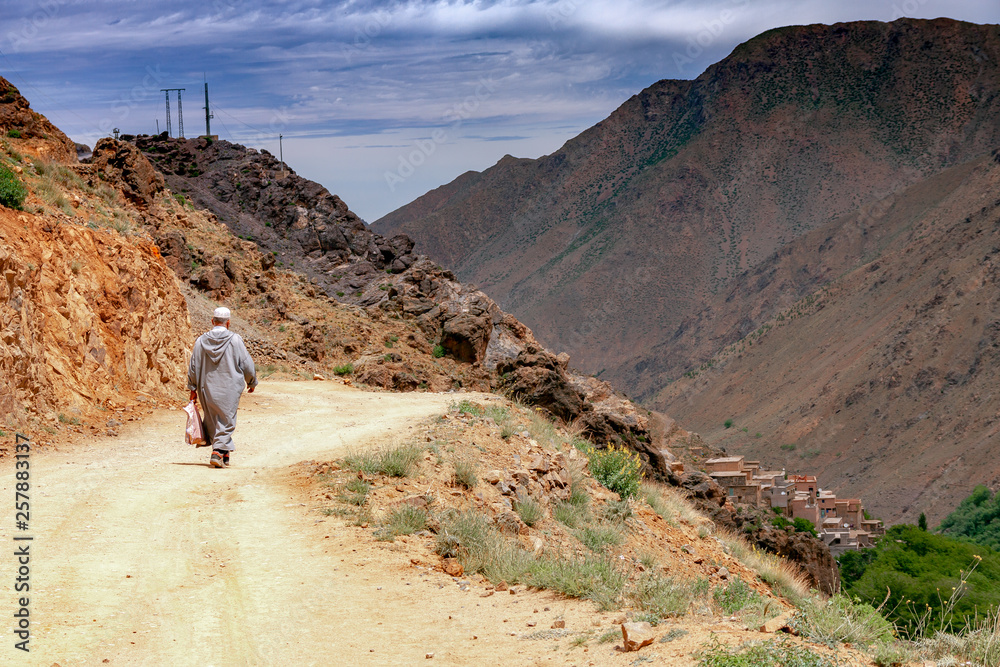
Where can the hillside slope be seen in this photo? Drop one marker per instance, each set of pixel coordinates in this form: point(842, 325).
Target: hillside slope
point(884, 381)
point(608, 245)
point(91, 318)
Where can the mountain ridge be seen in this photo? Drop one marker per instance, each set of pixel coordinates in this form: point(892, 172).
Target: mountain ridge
point(798, 126)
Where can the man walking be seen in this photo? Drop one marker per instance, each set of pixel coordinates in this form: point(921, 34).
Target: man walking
point(220, 364)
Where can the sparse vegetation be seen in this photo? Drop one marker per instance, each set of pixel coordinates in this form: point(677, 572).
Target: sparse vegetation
point(465, 474)
point(468, 407)
point(391, 461)
point(344, 369)
point(403, 520)
point(529, 510)
point(777, 653)
point(598, 537)
point(437, 351)
point(356, 491)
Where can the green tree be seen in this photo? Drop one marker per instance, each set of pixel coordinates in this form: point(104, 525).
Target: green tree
point(977, 518)
point(918, 570)
point(804, 525)
point(922, 521)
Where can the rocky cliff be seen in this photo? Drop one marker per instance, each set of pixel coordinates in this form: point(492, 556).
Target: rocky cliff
point(90, 316)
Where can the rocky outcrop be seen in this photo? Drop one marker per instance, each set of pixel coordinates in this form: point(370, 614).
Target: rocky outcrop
point(88, 317)
point(810, 553)
point(260, 198)
point(30, 130)
point(122, 164)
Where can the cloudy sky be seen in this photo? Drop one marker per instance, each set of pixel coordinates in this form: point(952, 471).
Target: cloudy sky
point(383, 101)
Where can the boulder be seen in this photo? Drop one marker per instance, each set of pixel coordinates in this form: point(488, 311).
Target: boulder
point(121, 164)
point(637, 635)
point(465, 337)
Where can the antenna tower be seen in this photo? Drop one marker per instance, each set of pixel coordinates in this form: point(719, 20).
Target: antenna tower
point(208, 115)
point(180, 110)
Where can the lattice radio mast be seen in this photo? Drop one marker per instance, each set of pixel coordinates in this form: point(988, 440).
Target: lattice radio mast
point(180, 110)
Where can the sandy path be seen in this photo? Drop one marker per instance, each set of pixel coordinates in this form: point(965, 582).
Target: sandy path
point(145, 556)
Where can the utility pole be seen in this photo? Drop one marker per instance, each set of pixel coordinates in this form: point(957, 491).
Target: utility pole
point(208, 115)
point(167, 91)
point(157, 125)
point(180, 111)
point(281, 151)
point(180, 115)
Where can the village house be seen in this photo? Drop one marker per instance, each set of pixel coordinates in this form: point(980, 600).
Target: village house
point(840, 523)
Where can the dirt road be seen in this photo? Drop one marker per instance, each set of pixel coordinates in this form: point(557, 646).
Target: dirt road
point(143, 555)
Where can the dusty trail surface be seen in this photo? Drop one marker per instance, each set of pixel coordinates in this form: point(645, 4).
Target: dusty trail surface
point(144, 555)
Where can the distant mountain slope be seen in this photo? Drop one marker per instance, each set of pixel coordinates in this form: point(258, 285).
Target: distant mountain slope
point(883, 382)
point(607, 247)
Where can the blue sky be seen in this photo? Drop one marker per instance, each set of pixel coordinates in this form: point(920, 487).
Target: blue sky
point(383, 101)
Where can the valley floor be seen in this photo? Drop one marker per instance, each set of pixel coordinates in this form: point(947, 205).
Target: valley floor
point(143, 555)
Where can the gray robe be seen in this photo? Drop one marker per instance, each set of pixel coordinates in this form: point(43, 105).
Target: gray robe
point(220, 364)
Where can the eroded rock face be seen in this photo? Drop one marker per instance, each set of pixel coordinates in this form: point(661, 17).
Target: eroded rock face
point(123, 165)
point(18, 120)
point(809, 552)
point(86, 317)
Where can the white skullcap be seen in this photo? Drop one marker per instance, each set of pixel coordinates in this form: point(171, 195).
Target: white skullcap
point(221, 313)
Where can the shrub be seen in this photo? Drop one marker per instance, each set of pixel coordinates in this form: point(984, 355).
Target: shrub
point(14, 133)
point(804, 525)
point(660, 596)
point(841, 619)
point(616, 511)
point(356, 492)
point(594, 578)
point(771, 652)
point(437, 352)
point(735, 597)
point(617, 468)
point(571, 515)
point(469, 407)
point(465, 473)
point(391, 462)
point(481, 548)
point(404, 520)
point(12, 190)
point(780, 522)
point(529, 510)
point(597, 538)
point(728, 423)
point(344, 369)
